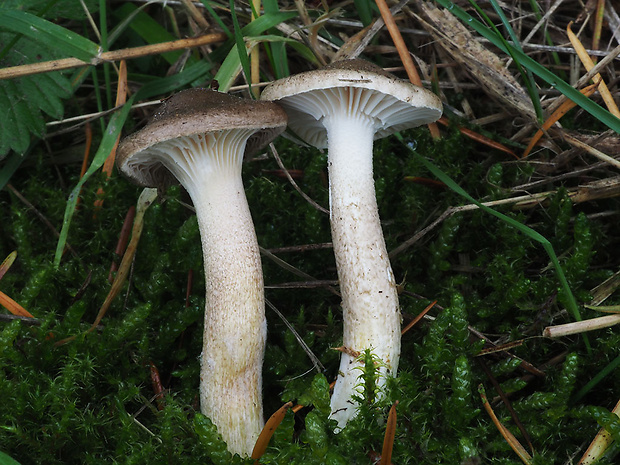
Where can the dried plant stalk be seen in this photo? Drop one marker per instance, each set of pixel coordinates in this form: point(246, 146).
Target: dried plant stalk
point(581, 326)
point(116, 55)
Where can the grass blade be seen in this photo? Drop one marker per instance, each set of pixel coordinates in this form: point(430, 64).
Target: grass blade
point(552, 79)
point(571, 303)
point(41, 31)
point(216, 18)
point(107, 142)
point(232, 64)
point(276, 52)
point(364, 10)
point(528, 78)
point(597, 379)
point(148, 29)
point(267, 21)
point(242, 51)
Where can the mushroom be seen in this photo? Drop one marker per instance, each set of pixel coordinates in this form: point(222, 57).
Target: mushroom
point(343, 107)
point(200, 137)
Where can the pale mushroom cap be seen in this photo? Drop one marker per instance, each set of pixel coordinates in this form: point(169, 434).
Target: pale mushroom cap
point(352, 86)
point(194, 112)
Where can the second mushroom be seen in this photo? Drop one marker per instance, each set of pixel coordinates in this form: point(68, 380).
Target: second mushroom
point(200, 138)
point(343, 107)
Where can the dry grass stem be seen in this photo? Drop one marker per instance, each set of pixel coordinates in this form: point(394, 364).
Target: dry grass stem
point(592, 151)
point(403, 53)
point(601, 189)
point(274, 152)
point(589, 64)
point(601, 292)
point(581, 326)
point(106, 57)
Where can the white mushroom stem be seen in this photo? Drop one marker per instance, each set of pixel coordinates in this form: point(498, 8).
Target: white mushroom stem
point(369, 296)
point(344, 107)
point(209, 167)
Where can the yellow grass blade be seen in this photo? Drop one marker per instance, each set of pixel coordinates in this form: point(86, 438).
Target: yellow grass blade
point(589, 64)
point(557, 114)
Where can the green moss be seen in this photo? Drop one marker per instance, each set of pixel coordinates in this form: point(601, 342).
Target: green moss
point(92, 400)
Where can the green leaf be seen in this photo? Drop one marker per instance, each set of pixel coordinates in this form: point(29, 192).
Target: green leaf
point(123, 24)
point(55, 37)
point(232, 64)
point(6, 460)
point(9, 165)
point(25, 98)
point(364, 10)
point(610, 368)
point(212, 441)
point(267, 21)
point(8, 125)
point(217, 18)
point(67, 9)
point(315, 433)
point(107, 143)
point(276, 51)
point(242, 52)
point(43, 92)
point(317, 395)
point(25, 114)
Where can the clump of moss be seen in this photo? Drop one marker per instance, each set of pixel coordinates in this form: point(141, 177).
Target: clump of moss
point(93, 399)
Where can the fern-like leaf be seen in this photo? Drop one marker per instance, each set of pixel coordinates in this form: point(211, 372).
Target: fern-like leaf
point(23, 100)
point(26, 38)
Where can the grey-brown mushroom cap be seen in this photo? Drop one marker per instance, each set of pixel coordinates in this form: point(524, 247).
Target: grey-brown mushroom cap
point(191, 112)
point(396, 104)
